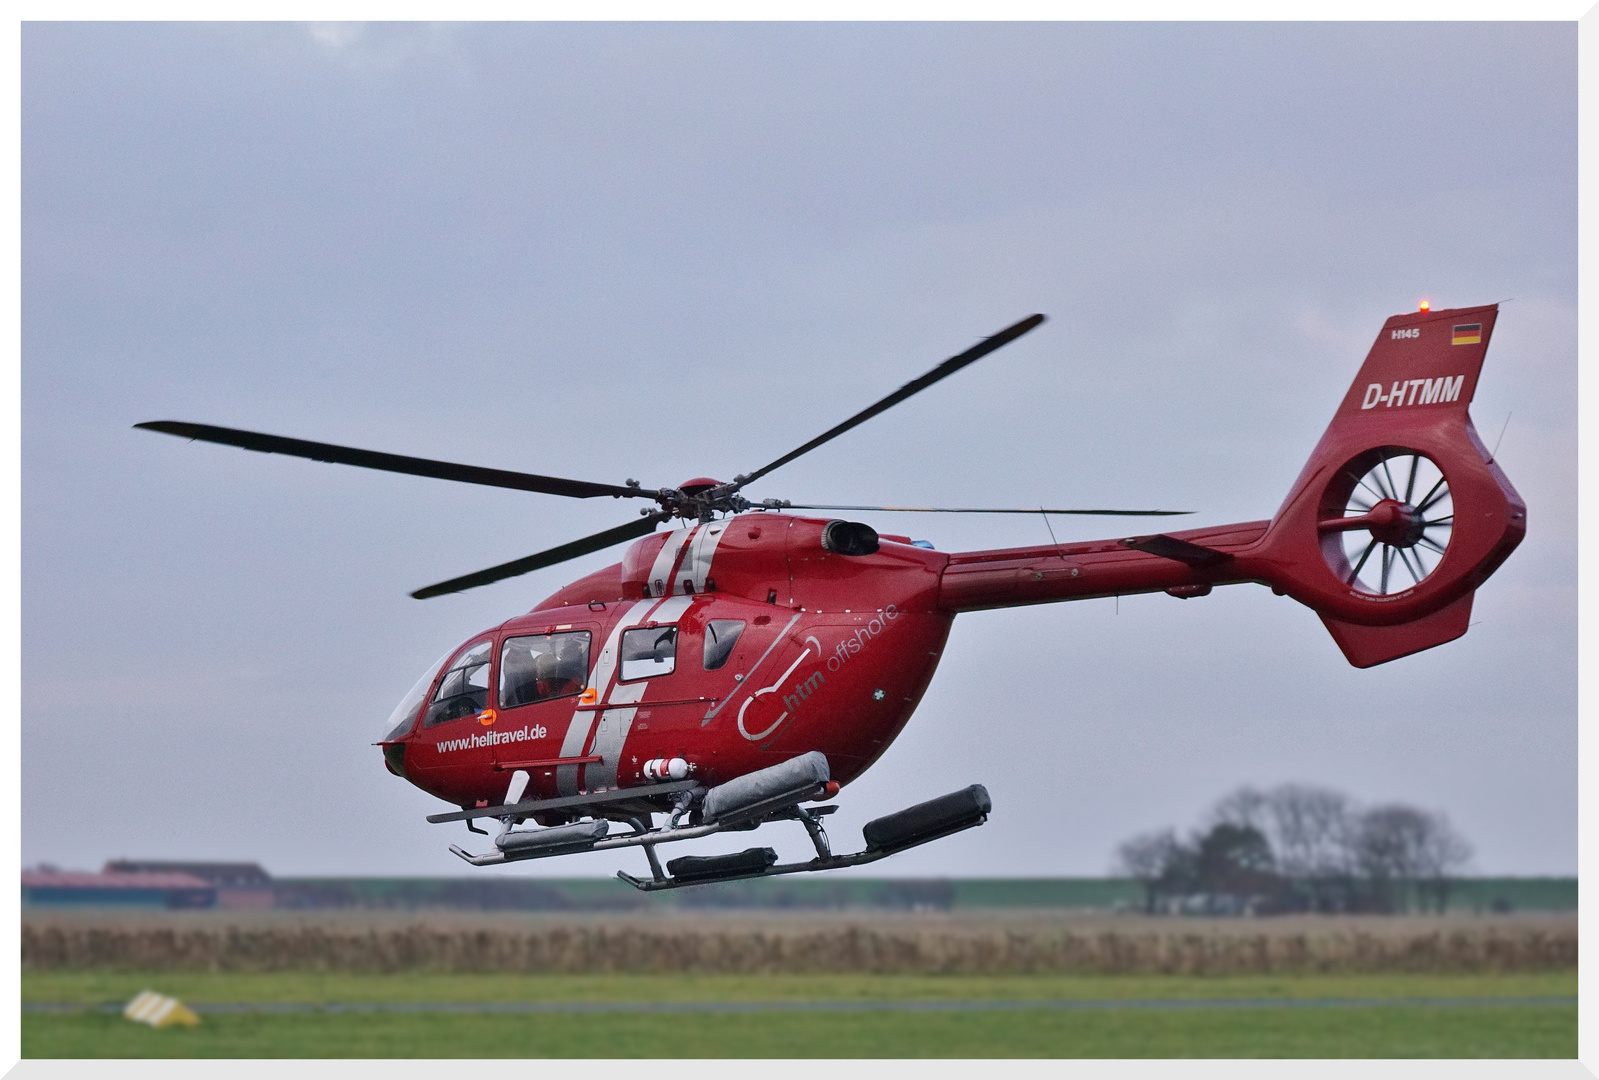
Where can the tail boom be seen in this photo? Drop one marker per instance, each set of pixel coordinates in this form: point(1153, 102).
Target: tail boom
point(1408, 405)
point(1014, 577)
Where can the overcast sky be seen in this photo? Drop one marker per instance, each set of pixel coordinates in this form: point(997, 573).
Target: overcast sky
point(611, 251)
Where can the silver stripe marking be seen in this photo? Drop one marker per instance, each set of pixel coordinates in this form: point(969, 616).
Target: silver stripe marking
point(753, 669)
point(577, 730)
point(615, 724)
point(665, 563)
point(696, 568)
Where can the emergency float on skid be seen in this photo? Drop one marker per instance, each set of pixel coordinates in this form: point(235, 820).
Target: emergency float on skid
point(746, 664)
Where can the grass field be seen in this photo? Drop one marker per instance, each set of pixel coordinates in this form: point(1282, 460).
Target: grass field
point(1372, 1029)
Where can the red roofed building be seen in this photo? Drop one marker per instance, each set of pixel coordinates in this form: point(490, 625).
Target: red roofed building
point(55, 888)
point(238, 884)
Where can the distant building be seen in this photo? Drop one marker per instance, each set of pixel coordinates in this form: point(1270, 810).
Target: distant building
point(54, 888)
point(238, 884)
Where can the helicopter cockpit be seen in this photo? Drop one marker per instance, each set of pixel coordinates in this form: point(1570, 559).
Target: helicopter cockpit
point(464, 690)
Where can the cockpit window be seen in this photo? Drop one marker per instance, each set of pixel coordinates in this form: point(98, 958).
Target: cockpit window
point(647, 652)
point(465, 687)
point(404, 714)
point(543, 667)
point(720, 637)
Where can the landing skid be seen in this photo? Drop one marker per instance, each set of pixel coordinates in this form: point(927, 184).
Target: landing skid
point(821, 862)
point(920, 824)
point(739, 805)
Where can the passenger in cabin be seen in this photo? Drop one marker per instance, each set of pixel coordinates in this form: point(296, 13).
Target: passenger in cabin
point(555, 676)
point(542, 667)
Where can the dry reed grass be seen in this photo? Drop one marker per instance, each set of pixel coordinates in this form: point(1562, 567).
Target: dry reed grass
point(843, 943)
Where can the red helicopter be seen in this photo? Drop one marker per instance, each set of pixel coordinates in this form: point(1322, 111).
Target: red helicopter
point(750, 661)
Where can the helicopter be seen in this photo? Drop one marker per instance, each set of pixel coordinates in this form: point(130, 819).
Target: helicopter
point(744, 665)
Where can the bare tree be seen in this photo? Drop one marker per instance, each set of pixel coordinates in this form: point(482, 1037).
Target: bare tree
point(1311, 828)
point(1246, 808)
point(1299, 846)
point(1311, 833)
point(1402, 850)
point(1444, 853)
point(1148, 859)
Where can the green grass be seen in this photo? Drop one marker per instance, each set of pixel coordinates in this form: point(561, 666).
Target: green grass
point(1487, 1030)
point(97, 987)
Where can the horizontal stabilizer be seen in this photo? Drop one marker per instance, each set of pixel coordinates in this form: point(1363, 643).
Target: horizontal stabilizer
point(1169, 547)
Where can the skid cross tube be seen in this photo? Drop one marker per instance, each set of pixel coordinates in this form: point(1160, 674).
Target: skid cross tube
point(523, 809)
point(640, 837)
point(648, 839)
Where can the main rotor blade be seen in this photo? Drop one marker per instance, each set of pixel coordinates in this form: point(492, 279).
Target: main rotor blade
point(598, 542)
point(982, 510)
point(372, 459)
point(947, 368)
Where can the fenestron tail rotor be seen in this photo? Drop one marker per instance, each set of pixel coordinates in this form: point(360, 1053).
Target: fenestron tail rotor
point(1396, 521)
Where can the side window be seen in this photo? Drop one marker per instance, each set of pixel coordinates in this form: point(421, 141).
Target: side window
point(720, 637)
point(465, 687)
point(648, 651)
point(543, 667)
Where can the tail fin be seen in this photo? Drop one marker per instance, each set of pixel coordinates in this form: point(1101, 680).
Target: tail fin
point(1401, 512)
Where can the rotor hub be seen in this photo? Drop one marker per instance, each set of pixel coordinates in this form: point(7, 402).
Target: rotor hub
point(1386, 519)
point(698, 486)
point(1396, 524)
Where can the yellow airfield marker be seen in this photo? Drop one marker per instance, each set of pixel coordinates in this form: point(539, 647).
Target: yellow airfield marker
point(159, 1011)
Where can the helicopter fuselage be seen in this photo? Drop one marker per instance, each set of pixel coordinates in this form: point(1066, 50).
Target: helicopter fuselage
point(832, 650)
point(829, 652)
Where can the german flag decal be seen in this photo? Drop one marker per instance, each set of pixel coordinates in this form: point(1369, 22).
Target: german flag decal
point(1469, 334)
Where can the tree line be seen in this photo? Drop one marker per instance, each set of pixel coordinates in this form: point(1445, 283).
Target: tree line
point(1298, 847)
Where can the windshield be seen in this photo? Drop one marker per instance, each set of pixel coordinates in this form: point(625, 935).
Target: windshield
point(405, 713)
point(464, 690)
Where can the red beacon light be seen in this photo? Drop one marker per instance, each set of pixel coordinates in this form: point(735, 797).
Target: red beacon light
point(1425, 306)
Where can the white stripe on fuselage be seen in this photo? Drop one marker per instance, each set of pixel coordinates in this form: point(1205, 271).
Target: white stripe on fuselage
point(615, 724)
point(577, 731)
point(661, 579)
point(696, 568)
point(681, 568)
